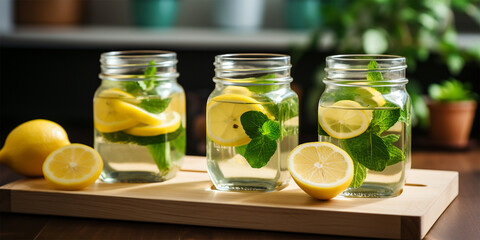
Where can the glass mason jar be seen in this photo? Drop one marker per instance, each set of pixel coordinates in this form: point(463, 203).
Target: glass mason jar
point(365, 110)
point(139, 116)
point(252, 122)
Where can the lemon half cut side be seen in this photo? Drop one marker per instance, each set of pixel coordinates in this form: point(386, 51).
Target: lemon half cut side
point(321, 169)
point(72, 167)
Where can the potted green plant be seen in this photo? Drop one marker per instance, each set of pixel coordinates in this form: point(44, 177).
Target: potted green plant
point(451, 106)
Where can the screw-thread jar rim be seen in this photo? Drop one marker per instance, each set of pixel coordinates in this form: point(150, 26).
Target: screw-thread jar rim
point(352, 69)
point(236, 67)
point(130, 65)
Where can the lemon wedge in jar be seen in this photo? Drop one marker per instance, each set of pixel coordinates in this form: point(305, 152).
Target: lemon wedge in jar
point(223, 118)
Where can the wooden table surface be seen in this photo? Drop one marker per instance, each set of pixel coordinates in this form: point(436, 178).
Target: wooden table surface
point(461, 220)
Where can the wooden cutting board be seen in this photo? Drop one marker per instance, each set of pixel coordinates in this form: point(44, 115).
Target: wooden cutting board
point(189, 199)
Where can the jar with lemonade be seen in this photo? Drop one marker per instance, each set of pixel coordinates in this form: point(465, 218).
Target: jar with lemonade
point(251, 122)
point(139, 116)
point(366, 110)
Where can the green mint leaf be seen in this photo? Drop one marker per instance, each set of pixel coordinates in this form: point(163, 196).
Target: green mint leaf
point(384, 119)
point(403, 116)
point(241, 149)
point(259, 151)
point(122, 137)
point(263, 84)
point(359, 174)
point(179, 143)
point(271, 130)
point(252, 123)
point(161, 155)
point(268, 76)
point(391, 138)
point(263, 134)
point(368, 149)
point(285, 110)
point(131, 87)
point(372, 75)
point(152, 70)
point(396, 155)
point(146, 85)
point(149, 73)
point(155, 105)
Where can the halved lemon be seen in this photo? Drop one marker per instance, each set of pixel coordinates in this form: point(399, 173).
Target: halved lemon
point(107, 119)
point(321, 169)
point(223, 118)
point(171, 121)
point(72, 167)
point(344, 119)
point(136, 113)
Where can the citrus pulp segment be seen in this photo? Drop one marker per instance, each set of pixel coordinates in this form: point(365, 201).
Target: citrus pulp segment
point(321, 169)
point(344, 119)
point(107, 119)
point(72, 167)
point(171, 121)
point(223, 118)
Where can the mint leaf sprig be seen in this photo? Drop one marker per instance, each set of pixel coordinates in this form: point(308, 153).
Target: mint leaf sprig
point(372, 151)
point(263, 133)
point(372, 75)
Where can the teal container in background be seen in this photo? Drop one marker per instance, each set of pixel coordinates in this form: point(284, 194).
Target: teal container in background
point(303, 14)
point(154, 13)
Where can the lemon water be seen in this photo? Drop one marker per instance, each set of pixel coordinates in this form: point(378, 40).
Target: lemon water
point(227, 166)
point(128, 162)
point(152, 153)
point(387, 182)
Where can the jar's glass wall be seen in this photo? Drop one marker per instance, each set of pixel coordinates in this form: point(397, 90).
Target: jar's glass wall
point(365, 109)
point(139, 116)
point(251, 89)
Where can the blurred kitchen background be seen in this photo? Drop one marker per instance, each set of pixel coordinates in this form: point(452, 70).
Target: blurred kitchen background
point(50, 49)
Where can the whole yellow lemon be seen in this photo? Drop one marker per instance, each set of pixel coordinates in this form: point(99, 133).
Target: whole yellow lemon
point(28, 145)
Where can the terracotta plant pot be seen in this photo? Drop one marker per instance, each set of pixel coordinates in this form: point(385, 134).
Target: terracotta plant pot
point(49, 12)
point(451, 123)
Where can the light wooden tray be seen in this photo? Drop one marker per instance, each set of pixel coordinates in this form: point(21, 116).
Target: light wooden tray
point(189, 199)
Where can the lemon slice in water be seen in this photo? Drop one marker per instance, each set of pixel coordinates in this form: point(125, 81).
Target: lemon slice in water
point(171, 121)
point(344, 119)
point(223, 118)
point(108, 119)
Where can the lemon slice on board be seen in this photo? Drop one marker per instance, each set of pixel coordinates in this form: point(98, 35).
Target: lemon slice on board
point(107, 119)
point(223, 118)
point(171, 121)
point(344, 119)
point(321, 169)
point(72, 167)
